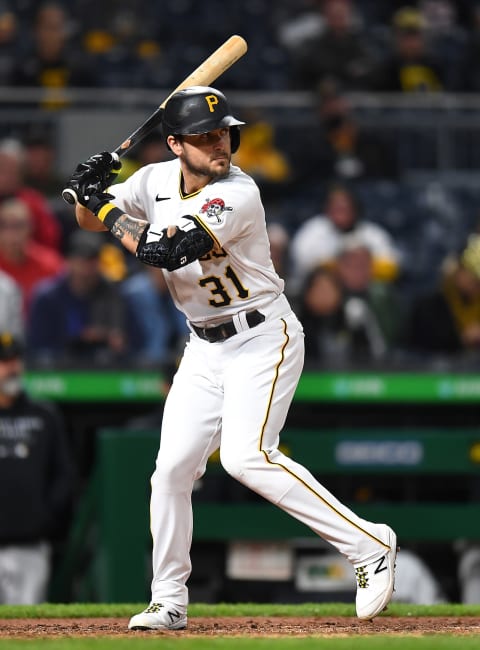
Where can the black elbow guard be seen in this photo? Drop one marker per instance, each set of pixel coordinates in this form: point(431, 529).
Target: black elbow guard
point(189, 243)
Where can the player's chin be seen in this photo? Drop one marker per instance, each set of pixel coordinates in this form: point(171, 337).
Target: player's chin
point(220, 166)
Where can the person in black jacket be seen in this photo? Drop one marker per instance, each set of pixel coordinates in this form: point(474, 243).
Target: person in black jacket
point(35, 483)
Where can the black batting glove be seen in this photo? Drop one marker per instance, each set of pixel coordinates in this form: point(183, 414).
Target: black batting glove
point(84, 190)
point(107, 166)
point(98, 172)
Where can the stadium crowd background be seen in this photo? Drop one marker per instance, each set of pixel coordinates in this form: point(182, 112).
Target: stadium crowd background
point(374, 233)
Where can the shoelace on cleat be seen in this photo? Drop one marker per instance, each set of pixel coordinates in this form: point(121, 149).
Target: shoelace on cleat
point(154, 608)
point(362, 577)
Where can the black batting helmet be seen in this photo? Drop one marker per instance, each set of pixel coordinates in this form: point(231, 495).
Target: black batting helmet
point(199, 109)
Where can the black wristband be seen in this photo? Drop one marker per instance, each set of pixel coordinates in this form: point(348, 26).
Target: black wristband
point(109, 214)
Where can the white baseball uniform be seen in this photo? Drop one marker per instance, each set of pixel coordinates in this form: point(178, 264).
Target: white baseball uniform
point(235, 393)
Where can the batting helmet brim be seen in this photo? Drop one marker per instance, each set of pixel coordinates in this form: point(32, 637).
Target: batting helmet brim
point(204, 126)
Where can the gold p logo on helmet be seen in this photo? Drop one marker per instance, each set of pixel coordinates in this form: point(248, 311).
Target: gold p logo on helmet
point(212, 101)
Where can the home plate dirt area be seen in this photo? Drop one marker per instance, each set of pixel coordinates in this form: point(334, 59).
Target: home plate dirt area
point(244, 626)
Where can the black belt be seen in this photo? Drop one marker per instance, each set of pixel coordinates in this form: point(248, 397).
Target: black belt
point(226, 330)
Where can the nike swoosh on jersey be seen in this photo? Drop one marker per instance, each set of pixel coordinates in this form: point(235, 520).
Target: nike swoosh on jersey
point(162, 198)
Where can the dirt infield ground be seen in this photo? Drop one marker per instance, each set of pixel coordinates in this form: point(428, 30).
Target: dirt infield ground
point(244, 626)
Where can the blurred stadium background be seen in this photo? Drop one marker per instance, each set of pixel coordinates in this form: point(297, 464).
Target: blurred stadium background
point(397, 437)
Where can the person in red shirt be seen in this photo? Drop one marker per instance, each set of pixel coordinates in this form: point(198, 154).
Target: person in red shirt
point(46, 229)
point(24, 259)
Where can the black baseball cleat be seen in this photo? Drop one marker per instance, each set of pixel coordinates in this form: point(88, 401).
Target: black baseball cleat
point(375, 581)
point(159, 616)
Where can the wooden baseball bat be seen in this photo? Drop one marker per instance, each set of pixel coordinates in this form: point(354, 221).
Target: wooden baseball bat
point(207, 72)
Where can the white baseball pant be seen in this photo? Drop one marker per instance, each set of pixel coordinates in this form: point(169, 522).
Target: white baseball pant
point(235, 395)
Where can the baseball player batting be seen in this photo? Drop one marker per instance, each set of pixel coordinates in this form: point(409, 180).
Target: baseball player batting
point(201, 219)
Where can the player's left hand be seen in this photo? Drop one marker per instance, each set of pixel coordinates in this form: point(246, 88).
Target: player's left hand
point(95, 201)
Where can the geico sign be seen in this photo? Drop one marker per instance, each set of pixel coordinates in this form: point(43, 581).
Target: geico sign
point(382, 452)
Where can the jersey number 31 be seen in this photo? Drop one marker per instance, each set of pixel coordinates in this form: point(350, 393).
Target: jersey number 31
point(218, 290)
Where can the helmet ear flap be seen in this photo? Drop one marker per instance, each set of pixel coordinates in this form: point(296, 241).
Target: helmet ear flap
point(234, 138)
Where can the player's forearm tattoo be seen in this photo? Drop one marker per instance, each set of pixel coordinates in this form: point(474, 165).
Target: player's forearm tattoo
point(126, 225)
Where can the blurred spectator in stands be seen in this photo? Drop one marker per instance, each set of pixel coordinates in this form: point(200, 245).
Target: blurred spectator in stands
point(340, 51)
point(113, 262)
point(11, 307)
point(261, 157)
point(471, 62)
point(319, 239)
point(356, 153)
point(339, 329)
point(22, 258)
point(78, 316)
point(447, 38)
point(124, 54)
point(279, 239)
point(159, 329)
point(9, 47)
point(438, 11)
point(411, 65)
point(39, 165)
point(446, 322)
point(378, 304)
point(41, 175)
point(36, 481)
point(337, 146)
point(298, 22)
point(46, 229)
point(52, 62)
point(321, 312)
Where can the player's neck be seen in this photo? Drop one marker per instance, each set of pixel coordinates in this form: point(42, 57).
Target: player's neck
point(191, 183)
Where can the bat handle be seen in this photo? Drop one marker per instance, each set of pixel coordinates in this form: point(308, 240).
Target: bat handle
point(70, 196)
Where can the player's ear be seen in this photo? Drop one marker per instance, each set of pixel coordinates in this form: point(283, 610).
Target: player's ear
point(174, 142)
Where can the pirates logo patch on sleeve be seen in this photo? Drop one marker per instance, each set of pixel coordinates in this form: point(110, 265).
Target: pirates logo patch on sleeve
point(214, 210)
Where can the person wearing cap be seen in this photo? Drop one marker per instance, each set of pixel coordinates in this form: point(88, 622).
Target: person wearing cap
point(412, 66)
point(36, 481)
point(78, 316)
